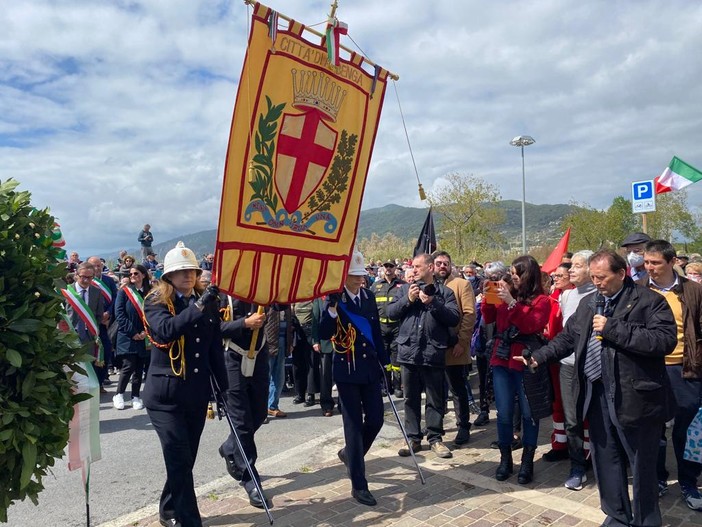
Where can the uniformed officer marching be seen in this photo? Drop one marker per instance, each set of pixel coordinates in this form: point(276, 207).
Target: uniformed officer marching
point(385, 290)
point(350, 321)
point(183, 324)
point(247, 396)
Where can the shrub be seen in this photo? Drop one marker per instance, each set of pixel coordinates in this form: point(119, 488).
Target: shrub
point(36, 359)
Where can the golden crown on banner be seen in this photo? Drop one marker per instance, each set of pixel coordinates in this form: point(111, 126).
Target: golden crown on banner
point(312, 89)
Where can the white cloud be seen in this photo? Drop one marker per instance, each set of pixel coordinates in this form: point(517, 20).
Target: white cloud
point(117, 113)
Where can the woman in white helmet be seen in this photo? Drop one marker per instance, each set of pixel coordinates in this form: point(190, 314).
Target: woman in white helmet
point(183, 325)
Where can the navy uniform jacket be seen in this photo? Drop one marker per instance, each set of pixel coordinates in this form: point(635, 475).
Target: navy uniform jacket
point(203, 354)
point(369, 350)
point(129, 324)
point(235, 329)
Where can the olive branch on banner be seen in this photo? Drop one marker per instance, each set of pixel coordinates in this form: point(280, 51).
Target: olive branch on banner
point(262, 180)
point(337, 182)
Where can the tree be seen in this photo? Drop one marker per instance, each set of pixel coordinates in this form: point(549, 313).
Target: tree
point(386, 247)
point(36, 360)
point(466, 216)
point(672, 218)
point(589, 228)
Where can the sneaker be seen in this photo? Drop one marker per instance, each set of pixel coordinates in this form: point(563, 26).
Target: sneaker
point(137, 403)
point(118, 401)
point(692, 497)
point(662, 487)
point(474, 408)
point(441, 450)
point(405, 452)
point(575, 480)
point(482, 419)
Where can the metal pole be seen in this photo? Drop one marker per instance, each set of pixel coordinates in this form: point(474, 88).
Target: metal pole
point(524, 250)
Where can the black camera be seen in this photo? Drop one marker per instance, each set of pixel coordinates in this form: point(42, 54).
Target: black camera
point(427, 289)
point(505, 343)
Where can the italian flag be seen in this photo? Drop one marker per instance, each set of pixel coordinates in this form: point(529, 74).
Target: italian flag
point(677, 175)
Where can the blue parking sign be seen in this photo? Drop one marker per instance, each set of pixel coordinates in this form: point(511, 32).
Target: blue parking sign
point(643, 198)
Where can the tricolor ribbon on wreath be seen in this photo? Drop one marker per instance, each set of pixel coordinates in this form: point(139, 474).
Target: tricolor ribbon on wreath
point(86, 315)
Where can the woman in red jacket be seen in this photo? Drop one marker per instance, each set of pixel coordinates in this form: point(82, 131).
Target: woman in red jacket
point(521, 316)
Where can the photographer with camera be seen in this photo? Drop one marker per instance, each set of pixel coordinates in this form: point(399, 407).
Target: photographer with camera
point(522, 313)
point(426, 311)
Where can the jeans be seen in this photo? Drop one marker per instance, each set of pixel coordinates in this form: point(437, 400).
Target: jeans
point(508, 383)
point(276, 364)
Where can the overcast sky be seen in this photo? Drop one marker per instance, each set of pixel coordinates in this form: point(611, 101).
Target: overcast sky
point(117, 113)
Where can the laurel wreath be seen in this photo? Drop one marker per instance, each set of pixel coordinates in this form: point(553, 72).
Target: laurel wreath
point(337, 182)
point(262, 180)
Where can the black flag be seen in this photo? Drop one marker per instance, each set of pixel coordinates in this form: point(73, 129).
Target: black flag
point(426, 243)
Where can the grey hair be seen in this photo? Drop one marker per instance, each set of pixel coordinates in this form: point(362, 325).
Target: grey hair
point(494, 268)
point(584, 254)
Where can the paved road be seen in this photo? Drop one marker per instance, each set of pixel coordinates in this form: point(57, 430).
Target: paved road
point(131, 473)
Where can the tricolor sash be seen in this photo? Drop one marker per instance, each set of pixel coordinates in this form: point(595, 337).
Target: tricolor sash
point(137, 302)
point(86, 315)
point(102, 286)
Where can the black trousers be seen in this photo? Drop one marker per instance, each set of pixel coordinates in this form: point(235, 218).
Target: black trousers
point(247, 403)
point(456, 377)
point(483, 372)
point(431, 378)
point(325, 381)
point(132, 368)
point(611, 445)
point(179, 432)
point(390, 333)
point(362, 414)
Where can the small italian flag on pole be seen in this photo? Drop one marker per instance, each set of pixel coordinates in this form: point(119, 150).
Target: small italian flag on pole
point(677, 175)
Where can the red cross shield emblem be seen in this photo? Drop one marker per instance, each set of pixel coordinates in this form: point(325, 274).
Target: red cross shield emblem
point(305, 150)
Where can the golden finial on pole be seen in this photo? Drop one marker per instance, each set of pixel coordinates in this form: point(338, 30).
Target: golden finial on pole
point(334, 6)
point(422, 194)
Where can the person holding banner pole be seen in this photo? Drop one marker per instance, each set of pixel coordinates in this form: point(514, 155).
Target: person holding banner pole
point(182, 322)
point(350, 320)
point(247, 396)
point(132, 345)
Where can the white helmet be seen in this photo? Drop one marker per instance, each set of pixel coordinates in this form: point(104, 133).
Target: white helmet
point(357, 268)
point(180, 258)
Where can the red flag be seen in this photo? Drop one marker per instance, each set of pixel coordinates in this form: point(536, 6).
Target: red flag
point(554, 259)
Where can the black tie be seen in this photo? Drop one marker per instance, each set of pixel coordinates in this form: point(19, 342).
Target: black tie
point(83, 325)
point(358, 302)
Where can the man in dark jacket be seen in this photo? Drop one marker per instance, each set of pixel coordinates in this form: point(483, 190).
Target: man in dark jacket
point(426, 311)
point(350, 320)
point(385, 290)
point(621, 384)
point(684, 365)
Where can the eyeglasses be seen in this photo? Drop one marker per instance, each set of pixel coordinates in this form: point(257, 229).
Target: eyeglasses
point(442, 264)
point(135, 274)
point(560, 276)
point(83, 277)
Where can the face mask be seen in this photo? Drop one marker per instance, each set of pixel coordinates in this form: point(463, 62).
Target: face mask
point(472, 279)
point(635, 260)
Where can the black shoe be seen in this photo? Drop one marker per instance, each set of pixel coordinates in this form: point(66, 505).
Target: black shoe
point(342, 456)
point(399, 394)
point(555, 455)
point(462, 437)
point(516, 443)
point(169, 523)
point(231, 466)
point(310, 402)
point(364, 497)
point(255, 499)
point(482, 419)
point(299, 399)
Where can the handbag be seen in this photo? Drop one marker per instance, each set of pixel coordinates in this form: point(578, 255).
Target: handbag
point(693, 445)
point(539, 392)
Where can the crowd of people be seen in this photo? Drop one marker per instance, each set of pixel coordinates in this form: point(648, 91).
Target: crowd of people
point(605, 347)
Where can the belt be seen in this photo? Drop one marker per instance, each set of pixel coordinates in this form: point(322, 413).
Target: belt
point(388, 321)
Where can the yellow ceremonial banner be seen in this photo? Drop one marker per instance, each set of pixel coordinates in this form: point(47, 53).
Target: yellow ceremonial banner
point(299, 150)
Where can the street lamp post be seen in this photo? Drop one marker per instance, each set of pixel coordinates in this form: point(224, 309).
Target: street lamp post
point(522, 141)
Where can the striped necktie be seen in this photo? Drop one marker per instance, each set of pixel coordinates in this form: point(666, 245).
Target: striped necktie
point(593, 357)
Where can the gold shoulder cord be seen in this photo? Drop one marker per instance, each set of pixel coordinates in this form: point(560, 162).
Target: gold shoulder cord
point(176, 349)
point(343, 342)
